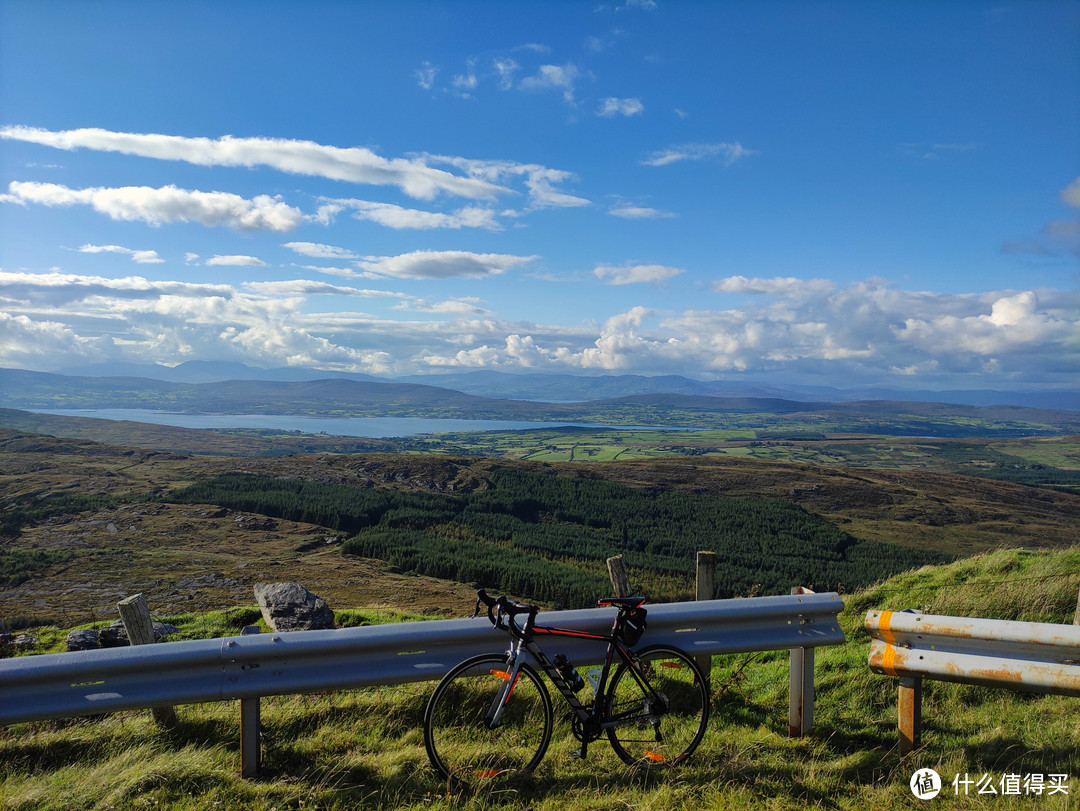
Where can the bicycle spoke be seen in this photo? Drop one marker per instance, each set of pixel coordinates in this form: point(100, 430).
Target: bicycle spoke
point(461, 742)
point(664, 726)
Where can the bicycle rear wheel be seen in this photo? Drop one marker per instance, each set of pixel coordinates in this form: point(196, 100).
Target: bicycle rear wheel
point(663, 728)
point(460, 742)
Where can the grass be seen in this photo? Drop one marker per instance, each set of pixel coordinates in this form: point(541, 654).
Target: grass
point(364, 749)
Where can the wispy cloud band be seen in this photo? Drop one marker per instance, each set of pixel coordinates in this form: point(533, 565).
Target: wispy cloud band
point(353, 164)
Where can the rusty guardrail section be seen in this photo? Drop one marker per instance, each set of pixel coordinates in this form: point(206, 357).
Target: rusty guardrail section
point(247, 667)
point(1038, 657)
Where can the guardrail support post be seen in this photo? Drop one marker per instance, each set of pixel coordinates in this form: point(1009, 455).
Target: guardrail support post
point(801, 685)
point(250, 738)
point(801, 692)
point(909, 714)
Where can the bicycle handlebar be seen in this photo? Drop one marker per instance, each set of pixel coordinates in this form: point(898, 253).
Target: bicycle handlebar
point(501, 613)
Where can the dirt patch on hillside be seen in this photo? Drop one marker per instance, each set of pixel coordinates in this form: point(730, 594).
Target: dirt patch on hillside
point(199, 558)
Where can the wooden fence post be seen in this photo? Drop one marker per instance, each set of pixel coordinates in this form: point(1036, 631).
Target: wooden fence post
point(1076, 614)
point(135, 614)
point(705, 590)
point(620, 581)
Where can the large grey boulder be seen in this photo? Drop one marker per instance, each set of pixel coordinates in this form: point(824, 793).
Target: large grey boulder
point(291, 607)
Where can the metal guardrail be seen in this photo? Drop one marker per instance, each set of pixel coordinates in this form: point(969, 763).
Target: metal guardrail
point(248, 667)
point(1032, 656)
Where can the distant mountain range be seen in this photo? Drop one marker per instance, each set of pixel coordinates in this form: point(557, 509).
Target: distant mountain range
point(336, 397)
point(562, 388)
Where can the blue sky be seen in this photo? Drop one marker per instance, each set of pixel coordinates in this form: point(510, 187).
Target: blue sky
point(836, 193)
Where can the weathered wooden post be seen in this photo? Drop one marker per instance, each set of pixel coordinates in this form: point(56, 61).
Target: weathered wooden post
point(1076, 614)
point(135, 614)
point(705, 590)
point(620, 581)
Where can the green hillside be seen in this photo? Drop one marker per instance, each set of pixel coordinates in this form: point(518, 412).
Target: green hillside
point(547, 536)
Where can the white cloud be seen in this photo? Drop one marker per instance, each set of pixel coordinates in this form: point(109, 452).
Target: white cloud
point(442, 264)
point(353, 164)
point(425, 75)
point(1056, 238)
point(776, 286)
point(393, 216)
point(554, 77)
point(611, 107)
point(727, 153)
point(640, 213)
point(634, 274)
point(542, 191)
point(320, 251)
point(868, 331)
point(540, 181)
point(139, 257)
point(167, 205)
point(306, 287)
point(467, 81)
point(347, 273)
point(1071, 193)
point(463, 306)
point(505, 69)
point(236, 261)
point(620, 345)
point(25, 342)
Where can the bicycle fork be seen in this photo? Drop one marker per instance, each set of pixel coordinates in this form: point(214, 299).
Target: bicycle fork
point(509, 677)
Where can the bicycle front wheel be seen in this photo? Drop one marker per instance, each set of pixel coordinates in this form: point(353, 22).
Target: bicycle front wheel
point(464, 746)
point(660, 724)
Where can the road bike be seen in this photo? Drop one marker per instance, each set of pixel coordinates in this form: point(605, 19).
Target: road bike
point(490, 718)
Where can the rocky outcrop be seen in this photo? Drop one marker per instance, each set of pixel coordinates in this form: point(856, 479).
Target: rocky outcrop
point(291, 607)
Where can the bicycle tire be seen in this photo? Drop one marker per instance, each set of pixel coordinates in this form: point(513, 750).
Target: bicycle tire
point(652, 737)
point(460, 745)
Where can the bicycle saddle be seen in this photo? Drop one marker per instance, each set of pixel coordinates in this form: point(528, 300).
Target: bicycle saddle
point(622, 602)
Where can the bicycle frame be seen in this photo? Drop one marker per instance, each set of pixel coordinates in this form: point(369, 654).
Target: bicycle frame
point(524, 641)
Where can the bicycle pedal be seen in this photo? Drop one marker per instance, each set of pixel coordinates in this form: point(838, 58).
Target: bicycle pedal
point(578, 754)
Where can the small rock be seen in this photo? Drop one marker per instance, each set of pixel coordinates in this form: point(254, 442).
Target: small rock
point(83, 639)
point(24, 642)
point(291, 607)
point(116, 635)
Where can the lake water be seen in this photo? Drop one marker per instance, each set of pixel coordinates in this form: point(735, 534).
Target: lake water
point(370, 427)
